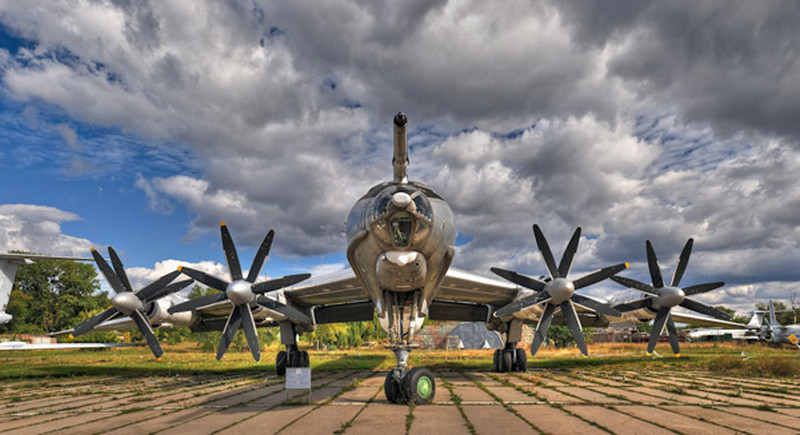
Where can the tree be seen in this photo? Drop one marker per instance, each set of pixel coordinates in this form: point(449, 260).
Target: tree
point(52, 295)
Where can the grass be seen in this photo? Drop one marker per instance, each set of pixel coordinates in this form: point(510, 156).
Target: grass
point(187, 360)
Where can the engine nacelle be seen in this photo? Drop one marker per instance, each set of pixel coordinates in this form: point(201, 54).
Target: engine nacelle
point(158, 314)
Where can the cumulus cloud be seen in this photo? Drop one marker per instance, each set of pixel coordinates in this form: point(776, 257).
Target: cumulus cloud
point(37, 229)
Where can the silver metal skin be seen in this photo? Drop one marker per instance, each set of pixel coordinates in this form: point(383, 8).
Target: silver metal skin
point(560, 289)
point(400, 160)
point(668, 297)
point(126, 303)
point(239, 292)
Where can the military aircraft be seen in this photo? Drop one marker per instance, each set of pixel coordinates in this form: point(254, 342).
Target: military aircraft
point(400, 245)
point(775, 333)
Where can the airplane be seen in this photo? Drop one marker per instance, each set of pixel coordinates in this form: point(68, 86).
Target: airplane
point(660, 300)
point(400, 246)
point(777, 334)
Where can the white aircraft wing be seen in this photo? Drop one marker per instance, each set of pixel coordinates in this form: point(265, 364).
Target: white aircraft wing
point(110, 325)
point(701, 320)
point(23, 345)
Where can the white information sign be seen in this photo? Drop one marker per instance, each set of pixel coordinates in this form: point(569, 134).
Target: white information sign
point(298, 378)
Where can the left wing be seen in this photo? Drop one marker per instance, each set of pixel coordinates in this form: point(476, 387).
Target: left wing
point(701, 320)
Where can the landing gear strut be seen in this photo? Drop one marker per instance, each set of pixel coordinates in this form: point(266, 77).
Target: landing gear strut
point(404, 385)
point(292, 356)
point(511, 359)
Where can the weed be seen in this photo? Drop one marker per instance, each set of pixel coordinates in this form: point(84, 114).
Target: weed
point(765, 407)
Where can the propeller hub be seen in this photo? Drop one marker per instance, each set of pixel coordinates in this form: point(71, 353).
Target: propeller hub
point(560, 290)
point(126, 303)
point(239, 292)
point(670, 297)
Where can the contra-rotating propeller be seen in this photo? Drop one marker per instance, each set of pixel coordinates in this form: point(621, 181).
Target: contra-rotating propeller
point(662, 298)
point(129, 302)
point(558, 292)
point(243, 293)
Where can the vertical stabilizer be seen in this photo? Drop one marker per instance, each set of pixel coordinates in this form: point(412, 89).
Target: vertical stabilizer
point(8, 270)
point(773, 321)
point(400, 160)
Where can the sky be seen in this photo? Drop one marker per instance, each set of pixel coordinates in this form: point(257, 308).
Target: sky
point(144, 124)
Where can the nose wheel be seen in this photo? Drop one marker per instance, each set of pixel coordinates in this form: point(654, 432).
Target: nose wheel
point(416, 386)
point(291, 357)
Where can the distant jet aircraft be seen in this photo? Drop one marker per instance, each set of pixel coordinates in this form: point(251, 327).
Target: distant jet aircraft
point(774, 332)
point(400, 244)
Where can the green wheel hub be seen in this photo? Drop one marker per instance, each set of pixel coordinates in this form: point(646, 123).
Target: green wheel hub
point(424, 387)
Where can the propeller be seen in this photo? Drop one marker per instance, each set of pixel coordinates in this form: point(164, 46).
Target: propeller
point(242, 293)
point(128, 301)
point(661, 298)
point(558, 292)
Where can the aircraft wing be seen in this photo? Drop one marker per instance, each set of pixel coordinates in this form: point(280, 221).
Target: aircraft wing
point(701, 320)
point(22, 345)
point(111, 325)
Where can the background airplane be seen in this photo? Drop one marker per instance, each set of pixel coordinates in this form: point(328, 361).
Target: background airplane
point(775, 333)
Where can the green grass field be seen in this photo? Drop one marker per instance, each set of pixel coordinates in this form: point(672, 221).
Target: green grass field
point(728, 359)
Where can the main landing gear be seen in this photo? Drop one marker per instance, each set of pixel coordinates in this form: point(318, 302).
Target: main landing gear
point(510, 359)
point(291, 357)
point(403, 318)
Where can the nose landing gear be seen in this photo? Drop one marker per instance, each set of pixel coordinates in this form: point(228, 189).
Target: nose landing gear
point(403, 385)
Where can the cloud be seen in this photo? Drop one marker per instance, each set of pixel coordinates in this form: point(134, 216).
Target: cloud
point(37, 229)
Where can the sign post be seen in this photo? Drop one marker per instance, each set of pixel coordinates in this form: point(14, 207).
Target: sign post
point(298, 378)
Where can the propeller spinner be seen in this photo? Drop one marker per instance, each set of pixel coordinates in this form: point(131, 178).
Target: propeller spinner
point(242, 293)
point(559, 292)
point(129, 302)
point(662, 298)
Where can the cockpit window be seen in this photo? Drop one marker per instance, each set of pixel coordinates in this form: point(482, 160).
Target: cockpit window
point(401, 230)
point(422, 205)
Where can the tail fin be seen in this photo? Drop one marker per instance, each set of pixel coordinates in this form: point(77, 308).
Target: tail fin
point(8, 270)
point(756, 321)
point(773, 321)
point(400, 160)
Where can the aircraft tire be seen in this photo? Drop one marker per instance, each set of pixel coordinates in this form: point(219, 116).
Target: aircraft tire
point(507, 361)
point(280, 363)
point(304, 359)
point(419, 385)
point(391, 388)
point(496, 362)
point(521, 365)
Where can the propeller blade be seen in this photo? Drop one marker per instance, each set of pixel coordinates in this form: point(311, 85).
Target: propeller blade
point(571, 317)
point(702, 288)
point(683, 260)
point(194, 304)
point(704, 309)
point(230, 253)
point(290, 313)
point(569, 253)
point(542, 327)
point(634, 284)
point(119, 269)
point(595, 305)
point(522, 304)
point(205, 278)
point(261, 255)
point(547, 255)
point(673, 336)
point(144, 326)
point(111, 277)
point(599, 275)
point(652, 263)
point(633, 305)
point(278, 283)
point(147, 291)
point(249, 326)
point(658, 327)
point(527, 282)
point(172, 288)
point(89, 324)
point(231, 326)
